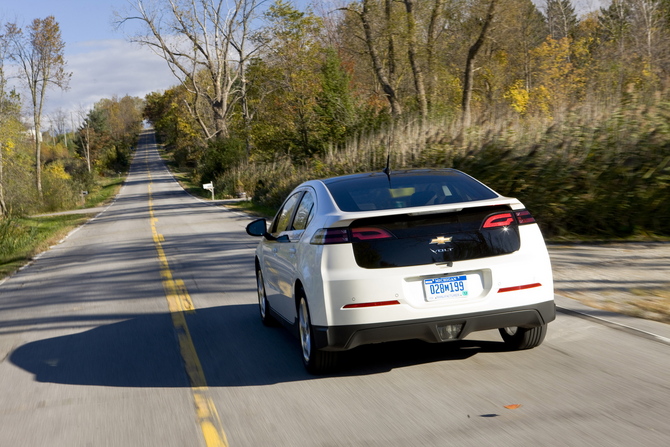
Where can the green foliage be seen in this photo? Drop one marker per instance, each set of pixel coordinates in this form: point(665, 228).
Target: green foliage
point(174, 127)
point(108, 133)
point(220, 156)
point(335, 104)
point(59, 191)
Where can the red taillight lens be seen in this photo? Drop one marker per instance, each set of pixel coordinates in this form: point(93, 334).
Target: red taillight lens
point(499, 220)
point(370, 233)
point(372, 304)
point(524, 217)
point(328, 236)
point(517, 288)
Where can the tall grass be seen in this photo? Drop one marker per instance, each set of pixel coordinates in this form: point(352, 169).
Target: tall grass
point(591, 174)
point(21, 238)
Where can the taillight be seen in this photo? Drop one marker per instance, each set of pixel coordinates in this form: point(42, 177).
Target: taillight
point(499, 220)
point(524, 217)
point(370, 233)
point(328, 236)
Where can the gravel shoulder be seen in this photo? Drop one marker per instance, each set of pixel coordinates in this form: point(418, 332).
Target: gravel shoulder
point(627, 278)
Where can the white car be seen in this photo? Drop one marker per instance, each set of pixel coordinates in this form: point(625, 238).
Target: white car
point(429, 254)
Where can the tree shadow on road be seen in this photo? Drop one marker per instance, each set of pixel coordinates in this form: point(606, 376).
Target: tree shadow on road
point(234, 348)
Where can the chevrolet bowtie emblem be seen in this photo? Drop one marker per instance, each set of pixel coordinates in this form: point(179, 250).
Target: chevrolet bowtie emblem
point(440, 240)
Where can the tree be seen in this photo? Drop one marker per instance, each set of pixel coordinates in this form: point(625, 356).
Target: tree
point(196, 38)
point(634, 50)
point(292, 84)
point(39, 54)
point(384, 77)
point(650, 34)
point(561, 18)
point(84, 134)
point(10, 108)
point(335, 104)
point(527, 31)
point(109, 131)
point(413, 59)
point(434, 29)
point(469, 63)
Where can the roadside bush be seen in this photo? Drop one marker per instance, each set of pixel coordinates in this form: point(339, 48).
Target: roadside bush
point(267, 184)
point(218, 158)
point(589, 175)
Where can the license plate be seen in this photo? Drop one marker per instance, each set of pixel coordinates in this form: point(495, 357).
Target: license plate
point(446, 287)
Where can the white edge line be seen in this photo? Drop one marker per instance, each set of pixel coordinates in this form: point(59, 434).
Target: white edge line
point(616, 325)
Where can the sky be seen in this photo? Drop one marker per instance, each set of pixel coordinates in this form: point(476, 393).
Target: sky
point(102, 61)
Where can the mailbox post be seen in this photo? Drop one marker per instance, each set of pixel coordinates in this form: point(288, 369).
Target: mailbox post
point(210, 187)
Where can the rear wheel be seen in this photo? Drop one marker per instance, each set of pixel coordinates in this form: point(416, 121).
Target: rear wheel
point(518, 338)
point(263, 306)
point(315, 360)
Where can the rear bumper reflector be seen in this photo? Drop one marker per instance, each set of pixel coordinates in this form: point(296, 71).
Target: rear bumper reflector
point(515, 288)
point(372, 304)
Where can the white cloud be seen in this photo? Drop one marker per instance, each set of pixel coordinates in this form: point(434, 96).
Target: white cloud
point(106, 68)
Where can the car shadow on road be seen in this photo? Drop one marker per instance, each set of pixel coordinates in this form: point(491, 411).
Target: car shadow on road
point(234, 348)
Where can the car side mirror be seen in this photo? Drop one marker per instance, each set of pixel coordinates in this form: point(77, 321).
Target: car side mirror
point(258, 227)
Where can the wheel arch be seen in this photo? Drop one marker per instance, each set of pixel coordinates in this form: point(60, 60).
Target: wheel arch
point(298, 292)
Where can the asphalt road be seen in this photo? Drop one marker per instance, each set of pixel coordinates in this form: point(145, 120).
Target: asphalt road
point(141, 329)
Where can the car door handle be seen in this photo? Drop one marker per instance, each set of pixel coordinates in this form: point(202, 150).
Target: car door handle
point(292, 250)
point(274, 251)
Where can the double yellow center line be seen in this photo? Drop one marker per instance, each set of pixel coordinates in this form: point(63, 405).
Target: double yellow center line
point(179, 304)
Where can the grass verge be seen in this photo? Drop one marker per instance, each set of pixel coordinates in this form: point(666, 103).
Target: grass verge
point(21, 238)
point(247, 206)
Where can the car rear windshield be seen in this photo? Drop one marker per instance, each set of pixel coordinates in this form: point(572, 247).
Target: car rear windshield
point(405, 189)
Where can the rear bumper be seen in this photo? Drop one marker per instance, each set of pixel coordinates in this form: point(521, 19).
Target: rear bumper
point(337, 338)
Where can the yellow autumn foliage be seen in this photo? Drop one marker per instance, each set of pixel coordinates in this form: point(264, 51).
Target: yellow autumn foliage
point(8, 147)
point(558, 73)
point(518, 97)
point(56, 171)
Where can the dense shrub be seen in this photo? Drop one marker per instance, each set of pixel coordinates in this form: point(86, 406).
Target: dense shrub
point(588, 176)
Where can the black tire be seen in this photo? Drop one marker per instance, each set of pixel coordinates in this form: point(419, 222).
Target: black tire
point(263, 305)
point(518, 338)
point(315, 361)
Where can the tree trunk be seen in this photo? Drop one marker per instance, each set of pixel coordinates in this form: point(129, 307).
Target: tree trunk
point(396, 109)
point(469, 65)
point(3, 206)
point(430, 52)
point(38, 157)
point(392, 68)
point(416, 68)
